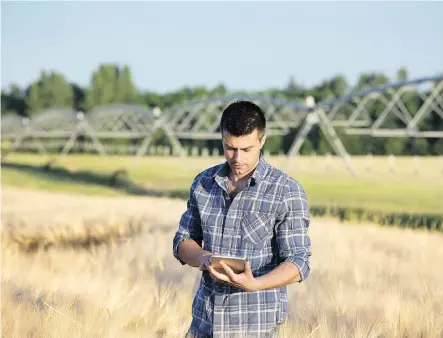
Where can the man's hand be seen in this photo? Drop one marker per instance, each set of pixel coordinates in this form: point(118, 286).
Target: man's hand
point(205, 260)
point(244, 280)
point(191, 253)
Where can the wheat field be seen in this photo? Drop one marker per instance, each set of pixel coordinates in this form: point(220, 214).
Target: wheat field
point(89, 266)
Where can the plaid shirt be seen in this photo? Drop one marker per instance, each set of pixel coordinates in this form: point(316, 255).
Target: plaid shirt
point(266, 223)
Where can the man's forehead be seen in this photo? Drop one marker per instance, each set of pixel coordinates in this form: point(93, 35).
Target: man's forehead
point(245, 138)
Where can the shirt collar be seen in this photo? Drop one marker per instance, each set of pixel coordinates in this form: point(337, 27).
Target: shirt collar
point(259, 173)
point(260, 170)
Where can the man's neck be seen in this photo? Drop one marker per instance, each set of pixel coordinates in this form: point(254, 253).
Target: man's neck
point(237, 178)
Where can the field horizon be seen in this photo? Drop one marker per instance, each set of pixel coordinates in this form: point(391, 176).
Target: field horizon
point(412, 185)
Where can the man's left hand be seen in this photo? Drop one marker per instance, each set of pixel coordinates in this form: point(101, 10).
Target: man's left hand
point(244, 280)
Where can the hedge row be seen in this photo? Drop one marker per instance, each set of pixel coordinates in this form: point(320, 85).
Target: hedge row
point(402, 219)
point(120, 180)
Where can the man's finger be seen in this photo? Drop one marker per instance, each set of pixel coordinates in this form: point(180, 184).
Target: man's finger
point(218, 275)
point(229, 271)
point(248, 270)
point(222, 278)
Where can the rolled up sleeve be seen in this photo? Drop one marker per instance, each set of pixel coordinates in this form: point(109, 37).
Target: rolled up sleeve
point(189, 226)
point(294, 243)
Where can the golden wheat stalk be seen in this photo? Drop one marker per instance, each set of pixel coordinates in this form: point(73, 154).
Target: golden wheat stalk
point(69, 318)
point(88, 234)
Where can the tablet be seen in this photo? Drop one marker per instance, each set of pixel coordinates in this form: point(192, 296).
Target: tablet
point(237, 264)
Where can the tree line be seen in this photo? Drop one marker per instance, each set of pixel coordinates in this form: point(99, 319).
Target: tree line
point(112, 84)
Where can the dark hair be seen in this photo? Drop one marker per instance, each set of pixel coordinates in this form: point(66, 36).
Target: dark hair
point(242, 118)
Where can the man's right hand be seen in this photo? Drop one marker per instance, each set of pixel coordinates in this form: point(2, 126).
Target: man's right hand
point(192, 254)
point(205, 259)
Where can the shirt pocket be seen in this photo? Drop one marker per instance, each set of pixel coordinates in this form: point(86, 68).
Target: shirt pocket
point(257, 228)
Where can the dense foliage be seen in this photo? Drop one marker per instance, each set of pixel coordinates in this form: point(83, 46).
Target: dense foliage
point(405, 219)
point(112, 84)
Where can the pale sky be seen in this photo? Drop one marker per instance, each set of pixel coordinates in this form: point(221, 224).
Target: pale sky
point(245, 45)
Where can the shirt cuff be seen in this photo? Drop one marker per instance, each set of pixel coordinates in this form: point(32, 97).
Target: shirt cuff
point(301, 264)
point(177, 240)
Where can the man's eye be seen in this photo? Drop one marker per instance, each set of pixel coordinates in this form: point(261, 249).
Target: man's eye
point(247, 150)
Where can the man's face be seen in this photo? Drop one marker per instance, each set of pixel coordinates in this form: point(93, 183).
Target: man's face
point(242, 153)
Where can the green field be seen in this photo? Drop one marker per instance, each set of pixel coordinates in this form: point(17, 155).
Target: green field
point(326, 181)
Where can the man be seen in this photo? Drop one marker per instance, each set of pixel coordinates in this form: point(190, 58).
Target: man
point(244, 208)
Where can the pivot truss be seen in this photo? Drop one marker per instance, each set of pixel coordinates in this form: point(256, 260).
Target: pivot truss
point(405, 109)
point(394, 110)
point(400, 110)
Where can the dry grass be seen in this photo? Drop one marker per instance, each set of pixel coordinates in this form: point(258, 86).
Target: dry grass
point(102, 267)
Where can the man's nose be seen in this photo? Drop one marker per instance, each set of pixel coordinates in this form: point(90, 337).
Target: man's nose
point(237, 155)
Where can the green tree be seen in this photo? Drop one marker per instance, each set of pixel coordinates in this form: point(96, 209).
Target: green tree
point(274, 144)
point(338, 86)
point(51, 90)
point(33, 100)
point(394, 146)
point(370, 80)
point(438, 147)
point(14, 100)
point(219, 90)
point(402, 74)
point(126, 92)
point(199, 93)
point(112, 83)
point(104, 86)
point(79, 96)
point(420, 146)
point(293, 90)
point(307, 148)
point(324, 147)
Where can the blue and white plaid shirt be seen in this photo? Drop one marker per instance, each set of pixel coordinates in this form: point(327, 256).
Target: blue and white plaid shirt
point(266, 223)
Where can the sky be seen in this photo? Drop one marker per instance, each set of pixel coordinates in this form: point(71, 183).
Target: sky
point(245, 45)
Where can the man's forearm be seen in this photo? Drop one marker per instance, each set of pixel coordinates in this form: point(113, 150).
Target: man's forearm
point(284, 274)
point(189, 252)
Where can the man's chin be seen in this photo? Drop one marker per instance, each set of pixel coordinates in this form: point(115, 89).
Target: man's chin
point(239, 172)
